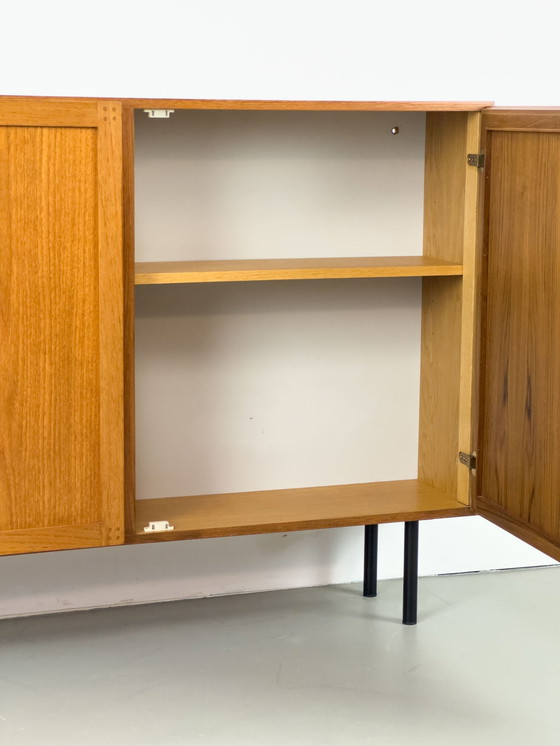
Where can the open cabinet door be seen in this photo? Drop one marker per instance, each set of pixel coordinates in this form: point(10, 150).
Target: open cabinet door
point(518, 475)
point(61, 326)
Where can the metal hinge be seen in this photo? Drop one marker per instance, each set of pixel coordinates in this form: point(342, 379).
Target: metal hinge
point(159, 113)
point(476, 160)
point(158, 526)
point(468, 460)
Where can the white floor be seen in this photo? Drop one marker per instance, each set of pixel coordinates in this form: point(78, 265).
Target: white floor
point(311, 666)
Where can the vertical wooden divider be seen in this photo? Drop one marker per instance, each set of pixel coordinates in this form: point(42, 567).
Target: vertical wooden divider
point(451, 232)
point(110, 216)
point(128, 275)
point(472, 242)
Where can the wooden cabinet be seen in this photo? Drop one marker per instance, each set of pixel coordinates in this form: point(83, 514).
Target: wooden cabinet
point(67, 464)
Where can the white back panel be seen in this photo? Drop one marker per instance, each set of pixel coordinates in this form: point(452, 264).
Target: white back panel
point(244, 185)
point(282, 384)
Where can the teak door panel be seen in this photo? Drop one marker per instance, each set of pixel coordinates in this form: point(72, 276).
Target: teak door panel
point(519, 441)
point(61, 399)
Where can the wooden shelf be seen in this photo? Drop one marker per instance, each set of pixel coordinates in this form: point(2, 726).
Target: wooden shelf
point(241, 513)
point(246, 105)
point(241, 270)
point(264, 104)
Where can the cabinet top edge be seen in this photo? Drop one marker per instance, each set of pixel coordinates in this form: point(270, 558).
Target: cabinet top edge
point(271, 105)
point(521, 109)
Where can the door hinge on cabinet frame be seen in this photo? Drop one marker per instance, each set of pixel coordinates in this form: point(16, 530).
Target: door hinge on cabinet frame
point(154, 526)
point(468, 460)
point(476, 160)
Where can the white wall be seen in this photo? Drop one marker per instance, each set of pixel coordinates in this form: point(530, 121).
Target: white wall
point(295, 49)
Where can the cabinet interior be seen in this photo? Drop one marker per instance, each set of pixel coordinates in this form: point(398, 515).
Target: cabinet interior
point(303, 362)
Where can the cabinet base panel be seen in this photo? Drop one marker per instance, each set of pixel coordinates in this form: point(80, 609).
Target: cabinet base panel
point(240, 513)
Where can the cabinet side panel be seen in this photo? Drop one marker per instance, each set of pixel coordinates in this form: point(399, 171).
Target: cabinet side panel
point(520, 437)
point(470, 310)
point(444, 185)
point(439, 383)
point(444, 204)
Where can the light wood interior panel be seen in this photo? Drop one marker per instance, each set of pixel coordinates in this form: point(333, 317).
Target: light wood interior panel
point(444, 224)
point(60, 397)
point(248, 105)
point(520, 437)
point(444, 185)
point(439, 383)
point(473, 224)
point(162, 273)
point(234, 514)
point(260, 104)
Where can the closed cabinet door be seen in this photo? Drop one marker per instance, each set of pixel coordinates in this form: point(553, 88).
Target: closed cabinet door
point(519, 436)
point(61, 299)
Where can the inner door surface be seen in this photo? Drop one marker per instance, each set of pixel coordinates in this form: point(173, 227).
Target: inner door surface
point(519, 437)
point(61, 370)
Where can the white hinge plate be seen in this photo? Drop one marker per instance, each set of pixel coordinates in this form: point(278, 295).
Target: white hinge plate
point(158, 526)
point(159, 113)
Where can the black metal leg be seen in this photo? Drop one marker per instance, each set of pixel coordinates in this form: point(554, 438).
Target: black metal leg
point(410, 590)
point(370, 561)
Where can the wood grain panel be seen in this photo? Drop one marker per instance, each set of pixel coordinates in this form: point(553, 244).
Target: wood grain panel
point(50, 339)
point(61, 323)
point(444, 186)
point(523, 109)
point(157, 273)
point(178, 103)
point(470, 311)
point(144, 103)
point(128, 288)
point(542, 120)
point(53, 538)
point(444, 224)
point(110, 320)
point(35, 112)
point(235, 514)
point(439, 383)
point(520, 437)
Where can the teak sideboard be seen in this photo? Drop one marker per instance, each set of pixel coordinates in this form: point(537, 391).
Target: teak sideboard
point(490, 349)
